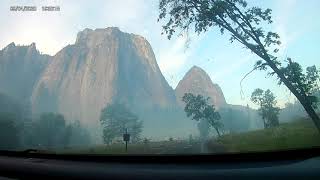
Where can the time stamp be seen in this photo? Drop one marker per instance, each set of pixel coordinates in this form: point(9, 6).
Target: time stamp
point(34, 8)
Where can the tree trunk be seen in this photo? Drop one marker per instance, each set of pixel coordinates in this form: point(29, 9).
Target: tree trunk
point(311, 112)
point(218, 132)
point(303, 100)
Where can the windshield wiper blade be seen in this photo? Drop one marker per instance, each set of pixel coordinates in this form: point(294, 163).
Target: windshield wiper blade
point(35, 151)
point(31, 151)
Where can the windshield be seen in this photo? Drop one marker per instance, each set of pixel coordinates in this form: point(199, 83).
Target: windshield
point(159, 77)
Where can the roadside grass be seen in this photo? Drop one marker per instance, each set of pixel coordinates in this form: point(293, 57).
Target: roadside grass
point(160, 147)
point(293, 135)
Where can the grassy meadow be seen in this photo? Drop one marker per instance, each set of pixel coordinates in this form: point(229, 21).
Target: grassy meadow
point(294, 135)
point(298, 134)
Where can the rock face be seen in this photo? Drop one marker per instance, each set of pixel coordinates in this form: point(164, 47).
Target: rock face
point(20, 69)
point(103, 66)
point(197, 81)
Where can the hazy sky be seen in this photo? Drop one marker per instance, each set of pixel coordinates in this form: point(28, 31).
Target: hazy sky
point(295, 20)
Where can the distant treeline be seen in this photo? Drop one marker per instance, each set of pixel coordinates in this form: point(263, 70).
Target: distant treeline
point(18, 130)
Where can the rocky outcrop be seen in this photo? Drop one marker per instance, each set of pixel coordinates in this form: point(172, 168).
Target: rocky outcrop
point(103, 66)
point(20, 69)
point(197, 81)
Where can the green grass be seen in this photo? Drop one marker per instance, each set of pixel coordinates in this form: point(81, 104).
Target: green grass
point(161, 147)
point(294, 135)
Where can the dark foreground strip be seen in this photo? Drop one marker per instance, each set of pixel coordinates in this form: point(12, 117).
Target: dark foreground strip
point(291, 154)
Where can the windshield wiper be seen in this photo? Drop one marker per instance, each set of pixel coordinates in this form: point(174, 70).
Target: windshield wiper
point(34, 151)
point(31, 151)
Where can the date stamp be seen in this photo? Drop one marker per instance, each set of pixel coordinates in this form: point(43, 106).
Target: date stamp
point(23, 8)
point(34, 8)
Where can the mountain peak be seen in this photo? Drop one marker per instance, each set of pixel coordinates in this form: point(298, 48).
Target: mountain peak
point(197, 73)
point(196, 68)
point(197, 81)
point(104, 37)
point(12, 44)
point(32, 47)
point(9, 46)
point(96, 36)
point(12, 47)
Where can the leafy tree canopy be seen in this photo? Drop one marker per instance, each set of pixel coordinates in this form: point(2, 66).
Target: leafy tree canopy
point(50, 131)
point(268, 109)
point(305, 83)
point(115, 119)
point(199, 109)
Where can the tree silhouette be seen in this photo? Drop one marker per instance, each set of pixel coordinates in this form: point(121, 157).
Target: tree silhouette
point(268, 110)
point(9, 133)
point(50, 131)
point(115, 118)
point(199, 109)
